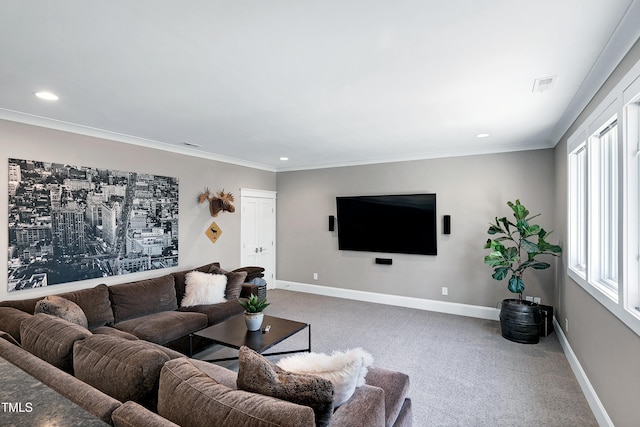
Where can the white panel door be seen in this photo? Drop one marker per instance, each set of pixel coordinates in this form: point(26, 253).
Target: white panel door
point(258, 231)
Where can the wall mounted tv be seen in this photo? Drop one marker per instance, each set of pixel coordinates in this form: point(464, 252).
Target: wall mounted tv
point(402, 223)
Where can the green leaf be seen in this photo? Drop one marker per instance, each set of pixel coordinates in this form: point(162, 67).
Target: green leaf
point(253, 304)
point(519, 211)
point(506, 223)
point(540, 265)
point(495, 259)
point(494, 245)
point(500, 273)
point(522, 226)
point(511, 254)
point(533, 230)
point(529, 246)
point(494, 229)
point(516, 285)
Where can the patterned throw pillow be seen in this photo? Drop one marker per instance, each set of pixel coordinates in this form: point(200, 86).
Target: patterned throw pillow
point(258, 375)
point(62, 308)
point(346, 370)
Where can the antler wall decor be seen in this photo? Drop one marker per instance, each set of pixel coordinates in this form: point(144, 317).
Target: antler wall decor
point(221, 201)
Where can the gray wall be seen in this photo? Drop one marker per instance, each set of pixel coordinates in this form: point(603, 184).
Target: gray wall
point(194, 174)
point(605, 347)
point(473, 190)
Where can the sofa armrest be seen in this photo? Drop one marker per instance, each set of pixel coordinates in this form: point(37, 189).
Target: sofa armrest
point(364, 409)
point(131, 414)
point(80, 393)
point(396, 388)
point(248, 289)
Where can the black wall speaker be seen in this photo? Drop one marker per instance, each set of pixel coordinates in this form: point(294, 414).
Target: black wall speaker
point(384, 261)
point(446, 224)
point(332, 222)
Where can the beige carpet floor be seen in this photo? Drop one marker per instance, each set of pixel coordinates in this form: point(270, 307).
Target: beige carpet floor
point(463, 373)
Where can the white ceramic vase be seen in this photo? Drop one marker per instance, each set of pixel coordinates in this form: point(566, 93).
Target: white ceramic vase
point(253, 320)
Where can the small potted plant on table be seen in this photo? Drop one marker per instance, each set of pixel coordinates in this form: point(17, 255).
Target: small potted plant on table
point(253, 307)
point(519, 319)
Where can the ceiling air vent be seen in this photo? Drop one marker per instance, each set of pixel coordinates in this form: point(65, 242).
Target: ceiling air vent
point(544, 84)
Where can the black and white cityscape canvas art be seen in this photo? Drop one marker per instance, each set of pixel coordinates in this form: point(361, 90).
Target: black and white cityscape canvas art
point(70, 223)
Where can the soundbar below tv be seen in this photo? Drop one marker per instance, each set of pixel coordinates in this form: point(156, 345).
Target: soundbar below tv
point(399, 223)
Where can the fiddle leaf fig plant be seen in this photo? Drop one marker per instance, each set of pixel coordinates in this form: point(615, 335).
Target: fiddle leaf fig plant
point(515, 247)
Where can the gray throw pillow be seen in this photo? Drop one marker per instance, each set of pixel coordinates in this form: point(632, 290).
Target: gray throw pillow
point(62, 308)
point(258, 375)
point(235, 279)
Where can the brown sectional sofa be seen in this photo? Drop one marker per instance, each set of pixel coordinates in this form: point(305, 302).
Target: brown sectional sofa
point(122, 370)
point(147, 309)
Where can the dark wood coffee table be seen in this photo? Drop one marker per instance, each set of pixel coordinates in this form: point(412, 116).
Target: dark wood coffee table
point(233, 333)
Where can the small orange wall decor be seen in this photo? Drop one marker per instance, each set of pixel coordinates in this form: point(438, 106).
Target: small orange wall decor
point(213, 232)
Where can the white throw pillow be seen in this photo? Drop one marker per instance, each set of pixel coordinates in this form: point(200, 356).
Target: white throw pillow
point(204, 288)
point(346, 370)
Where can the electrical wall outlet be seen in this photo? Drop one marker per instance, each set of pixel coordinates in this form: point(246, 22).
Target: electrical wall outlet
point(536, 300)
point(566, 325)
point(445, 290)
point(315, 276)
point(528, 298)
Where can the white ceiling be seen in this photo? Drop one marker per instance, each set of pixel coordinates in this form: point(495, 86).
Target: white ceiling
point(322, 82)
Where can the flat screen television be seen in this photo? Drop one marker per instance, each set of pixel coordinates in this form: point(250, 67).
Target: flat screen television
point(402, 223)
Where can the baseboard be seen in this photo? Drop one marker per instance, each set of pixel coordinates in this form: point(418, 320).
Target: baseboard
point(409, 302)
point(587, 389)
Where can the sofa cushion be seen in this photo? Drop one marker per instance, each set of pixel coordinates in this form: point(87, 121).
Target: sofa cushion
point(164, 327)
point(180, 277)
point(258, 375)
point(203, 288)
point(235, 279)
point(109, 330)
point(95, 304)
point(113, 332)
point(345, 369)
point(51, 339)
point(26, 305)
point(62, 308)
point(135, 299)
point(123, 369)
point(190, 398)
point(10, 320)
point(216, 313)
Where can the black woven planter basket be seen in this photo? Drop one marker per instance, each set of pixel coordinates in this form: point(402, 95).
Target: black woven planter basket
point(520, 321)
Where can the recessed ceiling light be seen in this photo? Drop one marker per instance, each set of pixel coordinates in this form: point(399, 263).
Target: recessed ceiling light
point(482, 135)
point(47, 96)
point(284, 159)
